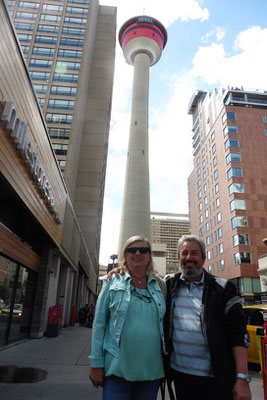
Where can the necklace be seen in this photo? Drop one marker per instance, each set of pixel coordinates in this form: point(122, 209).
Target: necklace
point(139, 280)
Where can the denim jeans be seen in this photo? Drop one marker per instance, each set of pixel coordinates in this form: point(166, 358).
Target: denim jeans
point(116, 388)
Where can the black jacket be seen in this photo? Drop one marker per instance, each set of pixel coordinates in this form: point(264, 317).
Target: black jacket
point(223, 324)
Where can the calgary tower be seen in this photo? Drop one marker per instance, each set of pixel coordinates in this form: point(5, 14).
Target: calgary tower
point(142, 39)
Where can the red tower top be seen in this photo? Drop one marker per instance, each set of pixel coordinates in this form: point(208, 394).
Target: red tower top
point(142, 34)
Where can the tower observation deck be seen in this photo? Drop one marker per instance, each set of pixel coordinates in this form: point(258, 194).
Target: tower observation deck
point(142, 39)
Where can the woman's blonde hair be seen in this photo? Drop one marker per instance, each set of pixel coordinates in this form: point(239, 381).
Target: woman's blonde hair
point(122, 262)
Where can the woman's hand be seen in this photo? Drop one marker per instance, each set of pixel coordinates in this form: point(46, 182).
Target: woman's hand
point(117, 271)
point(96, 376)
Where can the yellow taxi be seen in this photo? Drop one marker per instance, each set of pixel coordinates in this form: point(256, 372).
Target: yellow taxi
point(256, 315)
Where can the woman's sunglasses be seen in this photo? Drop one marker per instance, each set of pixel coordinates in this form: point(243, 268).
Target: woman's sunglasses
point(142, 250)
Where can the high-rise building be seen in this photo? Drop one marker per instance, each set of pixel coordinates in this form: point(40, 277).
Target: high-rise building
point(50, 226)
point(142, 40)
point(69, 47)
point(228, 185)
point(167, 228)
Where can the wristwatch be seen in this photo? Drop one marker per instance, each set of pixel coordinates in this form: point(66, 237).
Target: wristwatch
point(244, 376)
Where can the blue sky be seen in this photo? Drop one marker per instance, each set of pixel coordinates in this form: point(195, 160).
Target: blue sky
point(210, 44)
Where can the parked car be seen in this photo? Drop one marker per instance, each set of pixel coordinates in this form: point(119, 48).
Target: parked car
point(17, 311)
point(256, 315)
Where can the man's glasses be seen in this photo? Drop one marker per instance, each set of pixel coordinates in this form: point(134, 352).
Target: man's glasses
point(142, 250)
point(141, 296)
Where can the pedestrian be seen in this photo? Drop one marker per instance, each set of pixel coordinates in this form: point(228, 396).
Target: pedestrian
point(204, 331)
point(82, 317)
point(127, 337)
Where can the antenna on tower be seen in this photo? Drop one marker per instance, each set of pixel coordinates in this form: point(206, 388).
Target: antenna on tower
point(144, 10)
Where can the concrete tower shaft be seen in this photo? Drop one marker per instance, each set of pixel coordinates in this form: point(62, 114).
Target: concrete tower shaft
point(142, 40)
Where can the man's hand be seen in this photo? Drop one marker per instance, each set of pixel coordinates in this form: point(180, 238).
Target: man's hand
point(117, 271)
point(97, 376)
point(241, 390)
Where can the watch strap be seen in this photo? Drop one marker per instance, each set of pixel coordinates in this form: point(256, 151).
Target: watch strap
point(243, 376)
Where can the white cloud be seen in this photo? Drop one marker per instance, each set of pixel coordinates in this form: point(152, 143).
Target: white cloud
point(218, 32)
point(247, 67)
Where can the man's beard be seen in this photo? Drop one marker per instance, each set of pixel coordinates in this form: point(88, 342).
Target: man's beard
point(191, 273)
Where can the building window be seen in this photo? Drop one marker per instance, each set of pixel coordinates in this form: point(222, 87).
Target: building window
point(201, 232)
point(206, 213)
point(62, 164)
point(199, 182)
point(24, 26)
point(207, 226)
point(66, 78)
point(43, 51)
point(219, 217)
point(217, 202)
point(204, 175)
point(48, 28)
point(220, 232)
point(206, 200)
point(214, 161)
point(24, 15)
point(221, 265)
point(203, 164)
point(203, 152)
point(236, 188)
point(40, 89)
point(212, 136)
point(242, 258)
point(265, 130)
point(233, 157)
point(61, 104)
point(50, 18)
point(209, 255)
point(200, 206)
point(35, 62)
point(73, 31)
point(60, 149)
point(207, 240)
point(76, 10)
point(231, 143)
point(239, 221)
point(213, 148)
point(52, 7)
point(220, 248)
point(209, 269)
point(65, 53)
point(201, 219)
point(59, 133)
point(24, 38)
point(67, 65)
point(241, 239)
point(39, 76)
point(228, 115)
point(71, 42)
point(199, 194)
point(205, 187)
point(217, 188)
point(79, 1)
point(45, 39)
point(230, 129)
point(78, 21)
point(58, 118)
point(237, 172)
point(63, 90)
point(264, 119)
point(41, 102)
point(215, 174)
point(238, 204)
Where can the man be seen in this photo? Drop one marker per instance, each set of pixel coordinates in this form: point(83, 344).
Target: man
point(204, 331)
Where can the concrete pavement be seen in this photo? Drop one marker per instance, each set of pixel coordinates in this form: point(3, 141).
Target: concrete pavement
point(65, 359)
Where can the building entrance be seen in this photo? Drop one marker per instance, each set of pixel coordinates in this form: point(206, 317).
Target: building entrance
point(17, 291)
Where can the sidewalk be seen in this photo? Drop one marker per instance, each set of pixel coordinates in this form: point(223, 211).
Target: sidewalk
point(65, 360)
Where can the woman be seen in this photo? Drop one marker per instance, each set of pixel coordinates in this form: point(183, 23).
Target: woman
point(127, 338)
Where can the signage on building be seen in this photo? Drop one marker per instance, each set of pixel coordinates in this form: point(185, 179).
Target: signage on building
point(18, 131)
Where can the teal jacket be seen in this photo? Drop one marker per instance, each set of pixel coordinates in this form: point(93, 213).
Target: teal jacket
point(110, 314)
